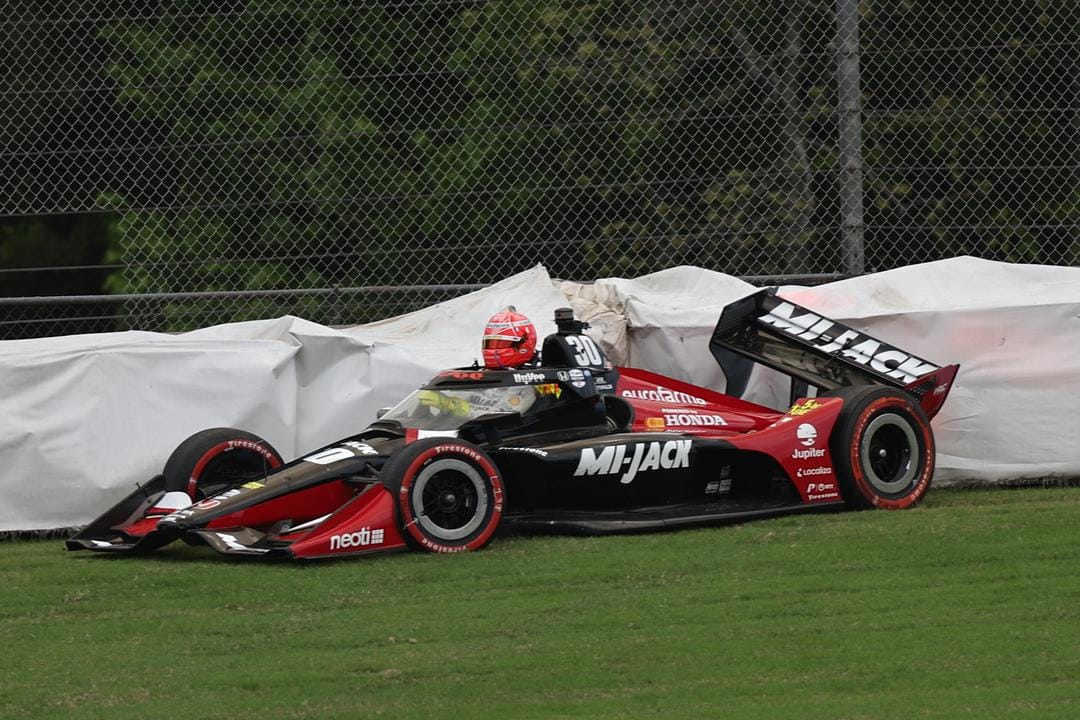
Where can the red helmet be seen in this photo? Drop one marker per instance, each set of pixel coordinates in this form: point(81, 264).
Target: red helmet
point(509, 340)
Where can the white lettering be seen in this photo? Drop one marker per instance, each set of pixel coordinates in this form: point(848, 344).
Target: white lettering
point(362, 448)
point(532, 451)
point(911, 369)
point(691, 418)
point(809, 472)
point(591, 464)
point(880, 360)
point(781, 317)
point(652, 458)
point(664, 395)
point(619, 460)
point(798, 454)
point(628, 476)
point(360, 538)
point(529, 377)
point(345, 451)
point(330, 456)
point(682, 454)
point(588, 353)
point(840, 341)
point(672, 454)
point(670, 449)
point(815, 332)
point(863, 352)
point(851, 344)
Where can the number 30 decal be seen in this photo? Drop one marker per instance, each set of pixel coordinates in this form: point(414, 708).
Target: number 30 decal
point(587, 353)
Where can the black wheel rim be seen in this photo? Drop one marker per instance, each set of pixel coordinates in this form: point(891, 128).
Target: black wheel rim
point(449, 499)
point(889, 454)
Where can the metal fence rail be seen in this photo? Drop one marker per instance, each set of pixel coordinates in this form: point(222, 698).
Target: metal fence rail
point(273, 149)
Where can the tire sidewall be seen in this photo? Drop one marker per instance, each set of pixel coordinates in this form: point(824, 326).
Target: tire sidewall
point(187, 467)
point(406, 468)
point(852, 426)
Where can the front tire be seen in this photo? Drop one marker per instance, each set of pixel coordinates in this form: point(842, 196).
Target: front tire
point(211, 461)
point(450, 495)
point(883, 448)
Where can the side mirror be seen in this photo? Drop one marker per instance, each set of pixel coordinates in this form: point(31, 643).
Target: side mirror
point(381, 412)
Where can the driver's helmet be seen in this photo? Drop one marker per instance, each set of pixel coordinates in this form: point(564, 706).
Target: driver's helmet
point(509, 340)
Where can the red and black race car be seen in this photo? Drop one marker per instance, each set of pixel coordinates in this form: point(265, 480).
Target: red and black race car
point(568, 445)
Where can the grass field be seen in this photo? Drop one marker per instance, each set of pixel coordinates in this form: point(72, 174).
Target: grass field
point(967, 607)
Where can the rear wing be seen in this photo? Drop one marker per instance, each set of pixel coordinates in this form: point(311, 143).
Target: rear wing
point(823, 352)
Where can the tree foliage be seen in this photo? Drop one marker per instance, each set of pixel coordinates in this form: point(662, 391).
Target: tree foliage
point(268, 144)
point(416, 143)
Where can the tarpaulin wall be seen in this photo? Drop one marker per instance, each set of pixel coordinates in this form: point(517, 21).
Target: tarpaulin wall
point(1014, 329)
point(84, 418)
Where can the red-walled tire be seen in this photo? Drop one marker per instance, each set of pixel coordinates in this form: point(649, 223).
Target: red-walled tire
point(883, 448)
point(450, 495)
point(213, 460)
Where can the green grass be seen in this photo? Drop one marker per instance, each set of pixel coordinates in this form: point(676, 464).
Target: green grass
point(968, 606)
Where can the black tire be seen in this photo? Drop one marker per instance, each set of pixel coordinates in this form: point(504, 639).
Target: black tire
point(882, 447)
point(450, 495)
point(210, 461)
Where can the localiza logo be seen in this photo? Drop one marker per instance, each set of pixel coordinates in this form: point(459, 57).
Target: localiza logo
point(832, 337)
point(361, 538)
point(634, 458)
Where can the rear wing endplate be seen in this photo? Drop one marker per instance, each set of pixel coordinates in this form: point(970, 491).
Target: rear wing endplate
point(823, 352)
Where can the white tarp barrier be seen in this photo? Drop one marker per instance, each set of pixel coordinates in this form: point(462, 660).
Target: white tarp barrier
point(83, 418)
point(1014, 330)
point(670, 316)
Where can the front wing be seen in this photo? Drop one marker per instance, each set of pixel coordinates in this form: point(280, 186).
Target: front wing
point(141, 522)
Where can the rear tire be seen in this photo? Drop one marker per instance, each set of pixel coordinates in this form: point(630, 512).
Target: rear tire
point(211, 461)
point(450, 495)
point(883, 448)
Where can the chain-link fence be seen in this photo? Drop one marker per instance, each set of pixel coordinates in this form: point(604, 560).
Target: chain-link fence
point(212, 160)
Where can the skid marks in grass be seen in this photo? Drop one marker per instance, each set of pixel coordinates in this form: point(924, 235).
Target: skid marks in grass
point(95, 697)
point(382, 674)
point(77, 596)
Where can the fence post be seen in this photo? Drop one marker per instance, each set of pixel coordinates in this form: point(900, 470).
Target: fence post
point(849, 108)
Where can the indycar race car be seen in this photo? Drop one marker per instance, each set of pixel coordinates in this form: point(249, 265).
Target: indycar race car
point(567, 444)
